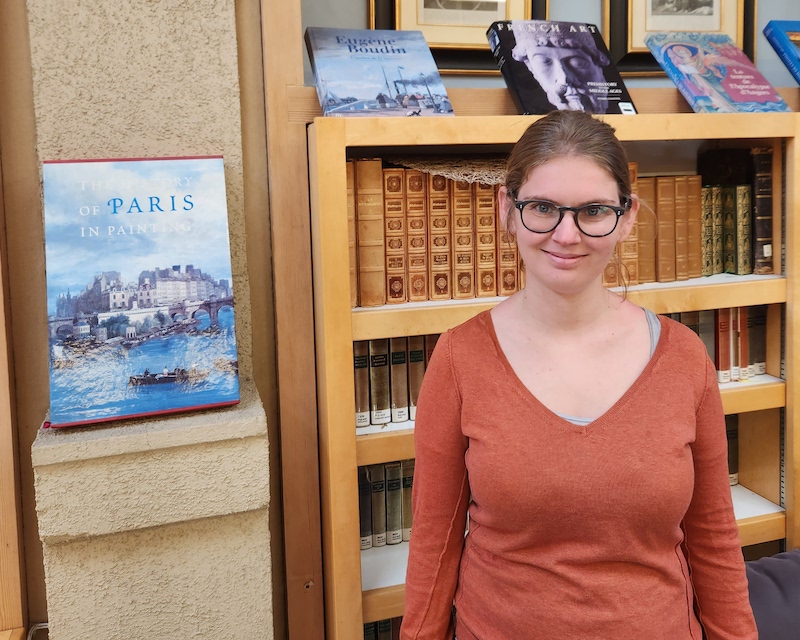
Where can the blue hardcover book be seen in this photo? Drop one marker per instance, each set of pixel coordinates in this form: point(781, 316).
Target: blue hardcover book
point(712, 73)
point(363, 72)
point(139, 297)
point(784, 36)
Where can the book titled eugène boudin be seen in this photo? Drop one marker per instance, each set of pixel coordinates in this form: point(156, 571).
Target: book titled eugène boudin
point(139, 288)
point(551, 65)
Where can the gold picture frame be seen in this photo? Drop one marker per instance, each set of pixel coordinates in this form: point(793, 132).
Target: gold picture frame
point(458, 47)
point(626, 22)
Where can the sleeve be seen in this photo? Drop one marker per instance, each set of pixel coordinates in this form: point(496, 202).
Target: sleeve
point(439, 501)
point(711, 543)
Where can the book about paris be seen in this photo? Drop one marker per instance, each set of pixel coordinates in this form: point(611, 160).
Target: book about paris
point(365, 72)
point(551, 65)
point(713, 74)
point(139, 293)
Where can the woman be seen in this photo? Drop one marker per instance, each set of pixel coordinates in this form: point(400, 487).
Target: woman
point(584, 435)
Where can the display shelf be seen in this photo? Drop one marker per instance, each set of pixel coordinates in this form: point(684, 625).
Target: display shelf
point(712, 292)
point(386, 447)
point(755, 394)
point(383, 569)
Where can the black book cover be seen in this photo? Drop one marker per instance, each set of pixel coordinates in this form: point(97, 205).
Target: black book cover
point(554, 65)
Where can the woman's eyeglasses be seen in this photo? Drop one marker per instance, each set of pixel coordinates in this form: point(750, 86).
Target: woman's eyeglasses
point(593, 220)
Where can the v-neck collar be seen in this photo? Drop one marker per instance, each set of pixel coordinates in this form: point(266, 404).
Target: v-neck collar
point(598, 422)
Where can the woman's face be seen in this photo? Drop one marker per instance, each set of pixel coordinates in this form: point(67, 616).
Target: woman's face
point(565, 260)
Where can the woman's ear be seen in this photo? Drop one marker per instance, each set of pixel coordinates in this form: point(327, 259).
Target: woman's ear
point(505, 207)
point(629, 219)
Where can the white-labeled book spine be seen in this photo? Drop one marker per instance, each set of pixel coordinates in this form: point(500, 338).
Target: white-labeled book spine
point(139, 288)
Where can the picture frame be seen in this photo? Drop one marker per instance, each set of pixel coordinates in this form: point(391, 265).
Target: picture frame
point(459, 46)
point(625, 23)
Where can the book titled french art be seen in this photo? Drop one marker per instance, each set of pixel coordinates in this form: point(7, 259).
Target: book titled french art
point(139, 297)
point(364, 72)
point(713, 74)
point(553, 65)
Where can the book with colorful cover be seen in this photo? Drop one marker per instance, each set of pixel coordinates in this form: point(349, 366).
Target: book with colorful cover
point(373, 72)
point(139, 293)
point(713, 74)
point(784, 36)
point(553, 65)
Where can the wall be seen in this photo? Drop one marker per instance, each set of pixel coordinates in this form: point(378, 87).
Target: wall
point(102, 79)
point(351, 14)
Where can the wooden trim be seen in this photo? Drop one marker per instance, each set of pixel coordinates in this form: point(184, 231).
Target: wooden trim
point(12, 634)
point(294, 320)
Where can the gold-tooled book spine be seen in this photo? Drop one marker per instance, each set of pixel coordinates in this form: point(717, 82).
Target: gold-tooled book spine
point(398, 376)
point(416, 370)
point(729, 252)
point(744, 231)
point(463, 240)
point(379, 391)
point(716, 236)
point(370, 233)
point(695, 227)
point(394, 503)
point(665, 241)
point(507, 262)
point(681, 228)
point(440, 251)
point(377, 480)
point(629, 247)
point(361, 379)
point(646, 230)
point(611, 272)
point(351, 231)
point(707, 232)
point(394, 216)
point(485, 240)
point(407, 473)
point(762, 210)
point(416, 235)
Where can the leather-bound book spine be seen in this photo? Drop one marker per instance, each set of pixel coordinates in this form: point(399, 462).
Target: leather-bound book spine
point(398, 375)
point(716, 236)
point(507, 262)
point(665, 240)
point(463, 240)
point(707, 232)
point(440, 251)
point(379, 392)
point(394, 214)
point(370, 233)
point(361, 380)
point(681, 228)
point(351, 231)
point(646, 229)
point(695, 226)
point(485, 240)
point(629, 247)
point(744, 230)
point(729, 252)
point(377, 481)
point(762, 210)
point(416, 235)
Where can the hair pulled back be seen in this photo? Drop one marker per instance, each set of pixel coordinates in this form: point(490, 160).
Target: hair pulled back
point(568, 133)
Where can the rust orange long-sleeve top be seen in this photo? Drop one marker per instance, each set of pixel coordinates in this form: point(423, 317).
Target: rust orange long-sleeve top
point(619, 530)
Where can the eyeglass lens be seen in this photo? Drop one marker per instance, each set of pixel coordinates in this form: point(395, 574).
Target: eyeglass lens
point(592, 220)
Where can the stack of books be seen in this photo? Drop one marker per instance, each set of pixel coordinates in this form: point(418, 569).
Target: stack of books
point(384, 503)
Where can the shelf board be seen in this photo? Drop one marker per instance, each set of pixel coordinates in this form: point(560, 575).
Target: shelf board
point(712, 292)
point(494, 130)
point(394, 443)
point(759, 519)
point(755, 394)
point(383, 569)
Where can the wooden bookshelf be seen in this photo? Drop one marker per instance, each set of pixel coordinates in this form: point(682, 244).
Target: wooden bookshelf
point(357, 586)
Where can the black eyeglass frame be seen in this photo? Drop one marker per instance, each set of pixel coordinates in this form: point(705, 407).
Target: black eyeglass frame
point(620, 211)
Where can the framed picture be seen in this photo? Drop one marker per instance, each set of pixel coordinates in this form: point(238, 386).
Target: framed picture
point(626, 22)
point(455, 29)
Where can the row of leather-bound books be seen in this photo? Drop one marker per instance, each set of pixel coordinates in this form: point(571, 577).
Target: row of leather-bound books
point(384, 503)
point(388, 372)
point(387, 629)
point(416, 236)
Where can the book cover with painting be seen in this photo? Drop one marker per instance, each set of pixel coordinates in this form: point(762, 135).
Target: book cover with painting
point(139, 292)
point(552, 65)
point(365, 72)
point(712, 73)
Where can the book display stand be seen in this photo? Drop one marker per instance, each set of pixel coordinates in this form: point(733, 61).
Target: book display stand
point(367, 586)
